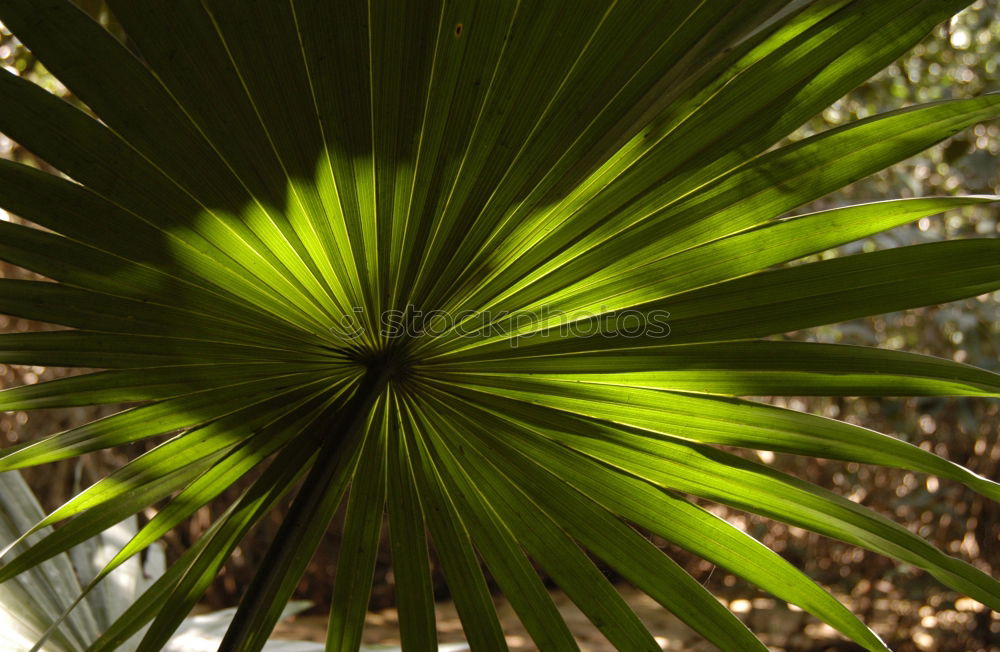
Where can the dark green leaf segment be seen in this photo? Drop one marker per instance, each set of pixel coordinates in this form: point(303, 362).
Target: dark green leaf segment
point(308, 517)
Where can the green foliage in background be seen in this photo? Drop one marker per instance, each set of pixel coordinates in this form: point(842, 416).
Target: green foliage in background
point(596, 231)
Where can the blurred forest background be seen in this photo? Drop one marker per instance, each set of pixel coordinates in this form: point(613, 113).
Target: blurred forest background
point(907, 607)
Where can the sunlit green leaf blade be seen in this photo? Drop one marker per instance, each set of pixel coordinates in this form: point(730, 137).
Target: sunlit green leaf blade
point(717, 475)
point(146, 384)
point(686, 525)
point(360, 543)
point(639, 277)
point(633, 556)
point(238, 461)
point(725, 421)
point(184, 411)
point(642, 203)
point(183, 590)
point(94, 522)
point(340, 436)
point(754, 368)
point(766, 303)
point(546, 543)
point(499, 549)
point(453, 544)
point(408, 542)
point(82, 348)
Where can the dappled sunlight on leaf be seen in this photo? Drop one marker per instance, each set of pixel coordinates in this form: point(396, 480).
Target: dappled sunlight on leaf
point(472, 282)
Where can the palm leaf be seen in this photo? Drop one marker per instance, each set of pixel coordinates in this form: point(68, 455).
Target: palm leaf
point(394, 257)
